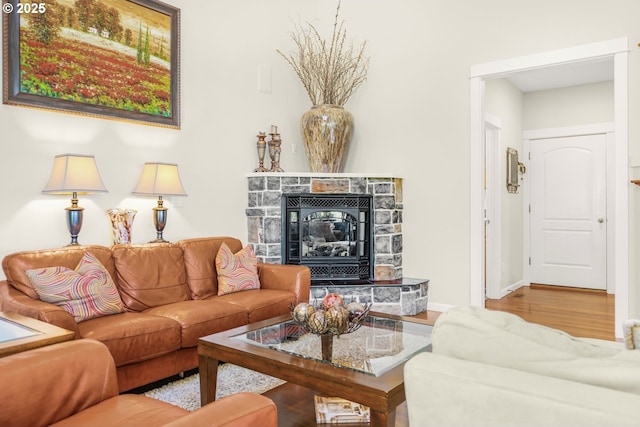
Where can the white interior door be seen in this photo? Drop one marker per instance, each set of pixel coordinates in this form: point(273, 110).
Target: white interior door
point(568, 211)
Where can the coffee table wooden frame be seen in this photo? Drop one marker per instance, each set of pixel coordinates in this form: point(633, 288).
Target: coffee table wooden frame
point(381, 394)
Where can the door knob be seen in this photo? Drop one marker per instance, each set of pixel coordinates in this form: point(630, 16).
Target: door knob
point(600, 220)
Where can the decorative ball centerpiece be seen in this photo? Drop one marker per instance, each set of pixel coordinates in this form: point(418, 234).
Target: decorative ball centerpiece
point(331, 318)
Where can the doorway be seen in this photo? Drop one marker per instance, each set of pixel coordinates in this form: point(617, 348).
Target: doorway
point(617, 51)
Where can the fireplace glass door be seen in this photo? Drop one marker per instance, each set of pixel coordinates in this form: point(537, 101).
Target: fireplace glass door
point(329, 234)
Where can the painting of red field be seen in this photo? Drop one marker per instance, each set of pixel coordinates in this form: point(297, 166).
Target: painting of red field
point(112, 58)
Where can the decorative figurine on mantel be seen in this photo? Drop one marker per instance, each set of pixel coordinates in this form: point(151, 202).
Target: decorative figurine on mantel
point(262, 149)
point(274, 150)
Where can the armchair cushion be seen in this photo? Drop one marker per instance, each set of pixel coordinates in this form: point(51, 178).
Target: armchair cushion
point(126, 410)
point(448, 392)
point(74, 384)
point(503, 339)
point(61, 378)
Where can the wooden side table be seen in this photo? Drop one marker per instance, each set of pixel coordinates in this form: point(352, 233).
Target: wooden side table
point(20, 333)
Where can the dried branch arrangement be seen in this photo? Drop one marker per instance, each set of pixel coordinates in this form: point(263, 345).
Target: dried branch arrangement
point(330, 70)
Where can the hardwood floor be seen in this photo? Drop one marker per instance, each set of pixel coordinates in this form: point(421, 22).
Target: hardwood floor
point(578, 312)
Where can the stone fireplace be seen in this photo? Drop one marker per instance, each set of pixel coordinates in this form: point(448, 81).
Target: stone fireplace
point(388, 290)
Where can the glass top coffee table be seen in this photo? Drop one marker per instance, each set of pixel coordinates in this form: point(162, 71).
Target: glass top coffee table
point(365, 366)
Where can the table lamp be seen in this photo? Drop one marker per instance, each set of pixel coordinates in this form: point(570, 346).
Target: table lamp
point(160, 179)
point(74, 174)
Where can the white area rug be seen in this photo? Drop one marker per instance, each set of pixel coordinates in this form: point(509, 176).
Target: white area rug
point(185, 393)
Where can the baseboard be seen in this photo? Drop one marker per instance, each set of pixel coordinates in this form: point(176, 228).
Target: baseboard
point(434, 306)
point(512, 288)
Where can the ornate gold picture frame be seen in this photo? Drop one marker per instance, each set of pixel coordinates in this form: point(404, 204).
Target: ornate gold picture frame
point(115, 59)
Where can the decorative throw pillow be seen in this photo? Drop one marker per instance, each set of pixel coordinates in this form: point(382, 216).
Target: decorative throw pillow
point(236, 272)
point(631, 331)
point(86, 292)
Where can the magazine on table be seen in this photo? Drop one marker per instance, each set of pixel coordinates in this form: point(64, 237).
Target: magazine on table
point(335, 410)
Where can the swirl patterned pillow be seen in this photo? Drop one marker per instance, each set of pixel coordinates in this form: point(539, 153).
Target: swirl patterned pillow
point(236, 272)
point(86, 292)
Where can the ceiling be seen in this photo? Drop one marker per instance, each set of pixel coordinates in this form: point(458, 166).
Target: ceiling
point(571, 74)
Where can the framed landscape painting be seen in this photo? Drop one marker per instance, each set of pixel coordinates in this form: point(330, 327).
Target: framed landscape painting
point(117, 59)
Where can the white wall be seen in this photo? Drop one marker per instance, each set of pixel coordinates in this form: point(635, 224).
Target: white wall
point(412, 118)
point(571, 106)
point(504, 101)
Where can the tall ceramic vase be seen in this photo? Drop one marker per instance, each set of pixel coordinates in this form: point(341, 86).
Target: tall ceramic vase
point(121, 222)
point(326, 131)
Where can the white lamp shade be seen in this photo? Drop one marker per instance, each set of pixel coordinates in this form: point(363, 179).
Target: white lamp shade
point(74, 173)
point(160, 179)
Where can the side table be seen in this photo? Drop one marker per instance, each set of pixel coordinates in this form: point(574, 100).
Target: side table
point(20, 333)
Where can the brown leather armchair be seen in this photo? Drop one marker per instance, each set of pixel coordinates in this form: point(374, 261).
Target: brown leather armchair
point(74, 384)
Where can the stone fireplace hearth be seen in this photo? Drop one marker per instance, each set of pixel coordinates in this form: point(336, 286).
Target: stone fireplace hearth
point(389, 292)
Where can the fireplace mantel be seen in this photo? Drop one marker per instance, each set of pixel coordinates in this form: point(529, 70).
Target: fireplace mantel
point(387, 175)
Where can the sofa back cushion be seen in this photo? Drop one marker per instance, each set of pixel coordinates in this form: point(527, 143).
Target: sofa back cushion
point(15, 265)
point(200, 266)
point(150, 275)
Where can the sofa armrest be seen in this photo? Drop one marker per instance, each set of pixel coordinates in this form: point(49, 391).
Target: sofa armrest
point(11, 299)
point(285, 277)
point(237, 410)
point(48, 384)
point(445, 391)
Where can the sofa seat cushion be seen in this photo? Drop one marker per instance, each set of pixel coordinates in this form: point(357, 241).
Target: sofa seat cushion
point(15, 265)
point(133, 337)
point(200, 263)
point(127, 410)
point(200, 318)
point(503, 339)
point(150, 275)
point(261, 304)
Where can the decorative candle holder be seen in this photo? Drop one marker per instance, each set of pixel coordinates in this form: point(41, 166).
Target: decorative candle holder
point(274, 152)
point(262, 149)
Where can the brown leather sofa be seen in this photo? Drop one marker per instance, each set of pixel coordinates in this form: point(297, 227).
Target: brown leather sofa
point(170, 295)
point(75, 384)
